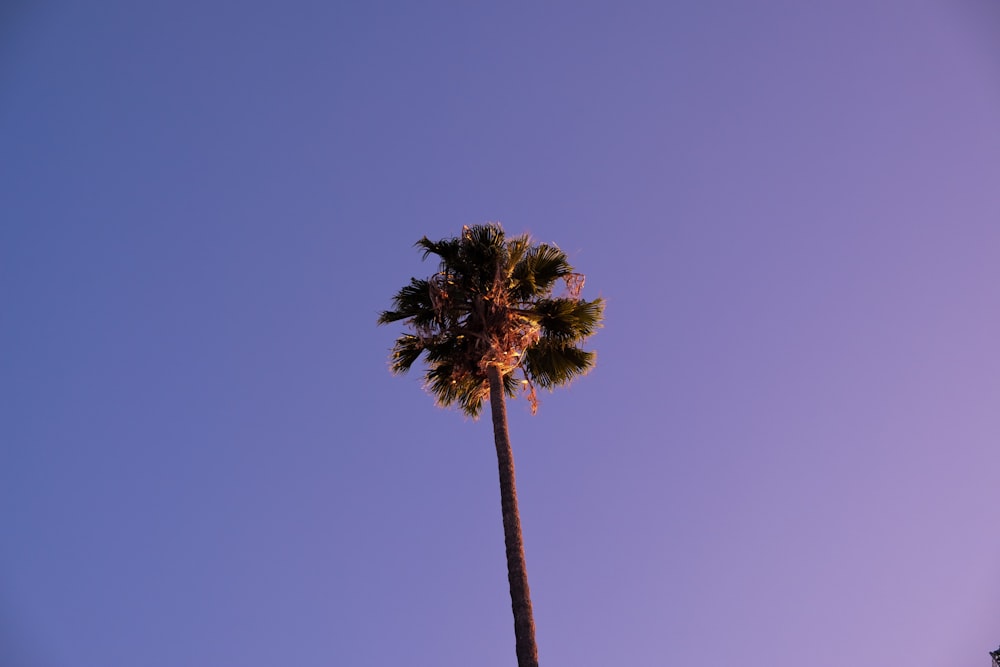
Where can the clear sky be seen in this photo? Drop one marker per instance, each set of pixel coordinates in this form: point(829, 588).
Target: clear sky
point(787, 454)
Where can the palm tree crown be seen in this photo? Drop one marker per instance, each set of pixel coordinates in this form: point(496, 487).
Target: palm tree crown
point(491, 303)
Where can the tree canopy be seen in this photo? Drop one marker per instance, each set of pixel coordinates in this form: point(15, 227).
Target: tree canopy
point(492, 302)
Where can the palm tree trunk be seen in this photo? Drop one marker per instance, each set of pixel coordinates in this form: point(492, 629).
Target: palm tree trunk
point(517, 571)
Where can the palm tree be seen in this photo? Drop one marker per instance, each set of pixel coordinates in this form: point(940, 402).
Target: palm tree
point(490, 325)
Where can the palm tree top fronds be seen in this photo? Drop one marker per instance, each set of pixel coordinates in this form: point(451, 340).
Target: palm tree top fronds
point(491, 303)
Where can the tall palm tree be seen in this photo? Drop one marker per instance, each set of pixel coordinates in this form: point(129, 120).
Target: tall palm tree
point(490, 325)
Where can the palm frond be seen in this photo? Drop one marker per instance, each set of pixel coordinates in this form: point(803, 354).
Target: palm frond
point(568, 320)
point(413, 300)
point(446, 249)
point(451, 387)
point(405, 352)
point(490, 235)
point(481, 257)
point(538, 270)
point(517, 248)
point(551, 363)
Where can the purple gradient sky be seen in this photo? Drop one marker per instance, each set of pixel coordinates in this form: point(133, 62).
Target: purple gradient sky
point(787, 455)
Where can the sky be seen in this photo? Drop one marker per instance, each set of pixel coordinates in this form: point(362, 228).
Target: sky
point(786, 454)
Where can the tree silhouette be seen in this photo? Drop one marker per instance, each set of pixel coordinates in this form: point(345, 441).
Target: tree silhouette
point(488, 325)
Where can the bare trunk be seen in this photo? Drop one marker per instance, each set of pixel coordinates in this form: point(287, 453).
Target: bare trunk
point(517, 571)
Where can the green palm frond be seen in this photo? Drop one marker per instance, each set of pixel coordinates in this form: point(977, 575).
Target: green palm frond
point(517, 248)
point(539, 269)
point(550, 364)
point(405, 352)
point(411, 301)
point(451, 387)
point(481, 256)
point(568, 320)
point(446, 249)
point(449, 348)
point(483, 237)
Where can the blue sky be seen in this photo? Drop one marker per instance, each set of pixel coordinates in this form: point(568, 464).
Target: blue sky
point(787, 451)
